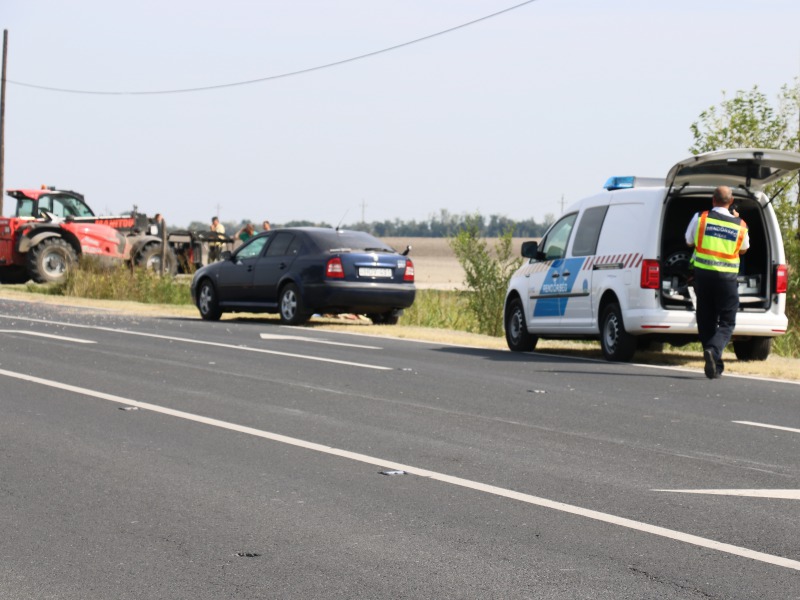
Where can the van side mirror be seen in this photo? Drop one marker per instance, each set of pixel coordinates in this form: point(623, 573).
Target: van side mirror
point(530, 249)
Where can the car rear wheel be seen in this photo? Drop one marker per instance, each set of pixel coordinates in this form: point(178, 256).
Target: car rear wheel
point(291, 306)
point(207, 302)
point(517, 336)
point(387, 318)
point(51, 260)
point(618, 345)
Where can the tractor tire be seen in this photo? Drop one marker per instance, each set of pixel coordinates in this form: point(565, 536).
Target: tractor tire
point(51, 260)
point(387, 318)
point(150, 259)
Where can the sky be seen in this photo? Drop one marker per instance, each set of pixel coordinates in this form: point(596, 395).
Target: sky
point(518, 115)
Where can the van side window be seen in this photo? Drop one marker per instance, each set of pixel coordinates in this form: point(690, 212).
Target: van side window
point(555, 242)
point(589, 231)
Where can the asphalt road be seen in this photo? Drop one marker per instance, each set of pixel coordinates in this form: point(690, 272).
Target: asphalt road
point(173, 458)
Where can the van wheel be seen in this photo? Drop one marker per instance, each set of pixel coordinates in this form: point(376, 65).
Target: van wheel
point(757, 348)
point(517, 336)
point(617, 344)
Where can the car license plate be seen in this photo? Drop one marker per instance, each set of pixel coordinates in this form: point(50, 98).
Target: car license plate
point(374, 272)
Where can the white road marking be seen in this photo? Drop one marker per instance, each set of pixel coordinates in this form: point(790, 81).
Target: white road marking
point(203, 343)
point(777, 494)
point(767, 426)
point(48, 335)
point(441, 477)
point(300, 338)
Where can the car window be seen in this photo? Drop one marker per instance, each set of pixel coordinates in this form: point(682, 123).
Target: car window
point(280, 245)
point(296, 247)
point(588, 231)
point(555, 243)
point(252, 248)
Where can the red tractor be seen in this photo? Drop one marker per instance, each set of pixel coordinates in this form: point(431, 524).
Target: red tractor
point(51, 229)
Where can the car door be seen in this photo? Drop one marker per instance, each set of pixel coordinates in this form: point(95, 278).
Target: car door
point(235, 276)
point(577, 301)
point(276, 262)
point(548, 277)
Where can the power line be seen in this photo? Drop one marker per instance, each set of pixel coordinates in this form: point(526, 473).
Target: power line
point(273, 77)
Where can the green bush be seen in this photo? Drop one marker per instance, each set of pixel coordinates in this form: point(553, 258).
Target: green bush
point(487, 274)
point(93, 280)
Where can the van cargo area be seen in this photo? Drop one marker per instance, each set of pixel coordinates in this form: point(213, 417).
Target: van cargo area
point(755, 272)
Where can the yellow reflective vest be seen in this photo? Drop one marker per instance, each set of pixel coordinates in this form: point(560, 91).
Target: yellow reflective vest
point(717, 241)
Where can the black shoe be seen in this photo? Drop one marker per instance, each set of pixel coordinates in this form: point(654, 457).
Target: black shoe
point(711, 365)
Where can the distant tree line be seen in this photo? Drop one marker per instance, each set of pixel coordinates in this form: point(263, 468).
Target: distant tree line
point(443, 225)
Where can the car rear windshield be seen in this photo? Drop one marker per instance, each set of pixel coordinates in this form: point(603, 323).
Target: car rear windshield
point(349, 240)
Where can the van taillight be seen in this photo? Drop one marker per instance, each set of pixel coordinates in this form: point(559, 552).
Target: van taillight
point(651, 274)
point(408, 276)
point(334, 269)
point(781, 279)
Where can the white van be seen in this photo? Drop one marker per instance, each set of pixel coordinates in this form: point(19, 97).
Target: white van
point(616, 265)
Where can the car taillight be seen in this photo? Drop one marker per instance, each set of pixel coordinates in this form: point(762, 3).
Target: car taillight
point(408, 276)
point(651, 274)
point(334, 269)
point(781, 279)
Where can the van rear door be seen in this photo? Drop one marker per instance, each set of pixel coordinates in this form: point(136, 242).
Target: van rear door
point(752, 168)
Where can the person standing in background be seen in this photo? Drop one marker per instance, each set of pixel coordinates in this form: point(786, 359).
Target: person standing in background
point(215, 245)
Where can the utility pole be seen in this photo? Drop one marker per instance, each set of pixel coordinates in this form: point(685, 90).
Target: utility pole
point(3, 121)
point(363, 206)
point(562, 204)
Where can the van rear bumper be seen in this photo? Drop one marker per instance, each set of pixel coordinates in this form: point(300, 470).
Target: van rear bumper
point(684, 322)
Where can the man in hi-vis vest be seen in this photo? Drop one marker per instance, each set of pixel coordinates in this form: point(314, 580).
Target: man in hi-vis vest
point(718, 238)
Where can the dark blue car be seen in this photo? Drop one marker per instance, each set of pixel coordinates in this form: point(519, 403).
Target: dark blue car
point(300, 271)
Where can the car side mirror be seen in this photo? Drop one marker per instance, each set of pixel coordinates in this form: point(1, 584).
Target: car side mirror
point(226, 255)
point(530, 249)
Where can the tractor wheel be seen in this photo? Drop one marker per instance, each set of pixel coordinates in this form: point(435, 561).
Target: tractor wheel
point(51, 260)
point(150, 259)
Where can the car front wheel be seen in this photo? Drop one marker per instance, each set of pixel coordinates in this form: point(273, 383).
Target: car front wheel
point(207, 302)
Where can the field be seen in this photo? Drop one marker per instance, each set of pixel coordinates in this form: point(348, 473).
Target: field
point(435, 265)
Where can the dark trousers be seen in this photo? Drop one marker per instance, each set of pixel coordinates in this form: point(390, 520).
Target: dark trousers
point(717, 305)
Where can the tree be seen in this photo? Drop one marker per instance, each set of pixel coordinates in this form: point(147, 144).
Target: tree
point(749, 120)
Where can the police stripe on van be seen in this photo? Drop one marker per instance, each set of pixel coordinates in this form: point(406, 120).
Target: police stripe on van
point(613, 261)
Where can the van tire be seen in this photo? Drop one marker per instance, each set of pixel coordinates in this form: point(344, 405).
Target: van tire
point(756, 348)
point(617, 344)
point(517, 336)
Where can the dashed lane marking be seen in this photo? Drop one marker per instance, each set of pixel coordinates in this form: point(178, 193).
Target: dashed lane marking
point(767, 426)
point(203, 343)
point(441, 477)
point(48, 335)
point(775, 494)
point(300, 338)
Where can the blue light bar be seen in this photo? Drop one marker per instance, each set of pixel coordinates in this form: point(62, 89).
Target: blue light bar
point(619, 183)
